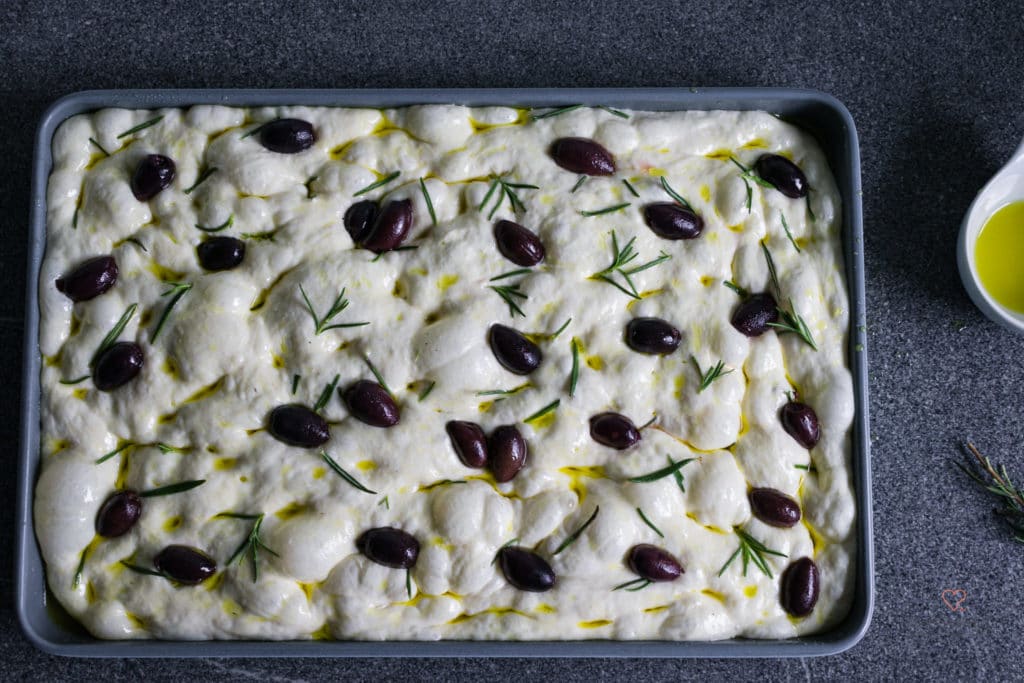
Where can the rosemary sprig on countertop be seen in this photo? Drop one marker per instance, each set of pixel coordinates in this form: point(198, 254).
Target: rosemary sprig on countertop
point(252, 543)
point(620, 259)
point(751, 550)
point(996, 480)
point(321, 325)
point(571, 538)
point(713, 373)
point(177, 290)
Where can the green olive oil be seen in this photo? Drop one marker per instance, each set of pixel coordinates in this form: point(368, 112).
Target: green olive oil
point(999, 256)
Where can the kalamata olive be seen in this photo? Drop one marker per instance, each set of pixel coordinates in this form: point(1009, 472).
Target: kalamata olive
point(118, 365)
point(798, 588)
point(514, 351)
point(389, 546)
point(506, 453)
point(584, 156)
point(525, 569)
point(469, 442)
point(359, 219)
point(801, 422)
point(614, 430)
point(185, 564)
point(653, 563)
point(89, 279)
point(754, 313)
point(118, 514)
point(783, 174)
point(391, 227)
point(287, 136)
point(518, 244)
point(154, 173)
point(221, 253)
point(774, 507)
point(297, 425)
point(673, 222)
point(652, 335)
point(371, 403)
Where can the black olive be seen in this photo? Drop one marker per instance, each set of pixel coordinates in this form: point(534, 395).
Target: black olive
point(514, 351)
point(221, 253)
point(798, 588)
point(389, 546)
point(525, 569)
point(371, 403)
point(359, 219)
point(118, 514)
point(583, 156)
point(614, 430)
point(801, 422)
point(287, 136)
point(469, 442)
point(117, 366)
point(297, 425)
point(774, 507)
point(507, 452)
point(185, 564)
point(391, 227)
point(673, 222)
point(783, 174)
point(754, 313)
point(654, 563)
point(89, 279)
point(154, 173)
point(652, 335)
point(518, 244)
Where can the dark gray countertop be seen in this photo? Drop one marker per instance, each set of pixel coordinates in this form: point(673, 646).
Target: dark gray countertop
point(935, 91)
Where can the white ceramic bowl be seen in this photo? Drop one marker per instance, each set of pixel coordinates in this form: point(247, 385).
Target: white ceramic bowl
point(1006, 186)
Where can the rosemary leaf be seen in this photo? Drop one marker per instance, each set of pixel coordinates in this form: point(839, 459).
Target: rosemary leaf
point(736, 288)
point(379, 377)
point(751, 550)
point(426, 392)
point(111, 454)
point(430, 204)
point(202, 178)
point(255, 130)
point(384, 501)
point(511, 273)
point(509, 293)
point(557, 112)
point(576, 534)
point(794, 323)
point(713, 373)
point(789, 234)
point(554, 335)
point(99, 147)
point(505, 392)
point(217, 228)
point(487, 197)
point(663, 472)
point(674, 195)
point(325, 395)
point(142, 126)
point(579, 183)
point(320, 324)
point(177, 290)
point(379, 183)
point(172, 488)
point(167, 448)
point(649, 522)
point(137, 243)
point(771, 268)
point(141, 570)
point(551, 407)
point(574, 375)
point(614, 112)
point(76, 380)
point(638, 584)
point(629, 186)
point(295, 383)
point(114, 333)
point(343, 474)
point(607, 209)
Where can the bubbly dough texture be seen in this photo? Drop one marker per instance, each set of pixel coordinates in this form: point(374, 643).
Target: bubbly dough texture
point(234, 346)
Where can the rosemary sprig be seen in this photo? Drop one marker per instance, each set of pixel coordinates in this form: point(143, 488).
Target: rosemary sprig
point(1000, 484)
point(172, 488)
point(379, 183)
point(385, 502)
point(376, 375)
point(649, 522)
point(557, 112)
point(751, 550)
point(177, 290)
point(748, 175)
point(620, 259)
point(576, 534)
point(251, 545)
point(115, 332)
point(320, 325)
point(677, 475)
point(674, 195)
point(511, 273)
point(141, 570)
point(167, 448)
point(713, 373)
point(792, 322)
point(202, 178)
point(426, 392)
point(579, 183)
point(785, 226)
point(325, 395)
point(99, 147)
point(629, 186)
point(217, 228)
point(507, 190)
point(510, 293)
point(736, 288)
point(343, 474)
point(634, 585)
point(673, 468)
point(107, 456)
point(505, 392)
point(772, 273)
point(142, 126)
point(607, 209)
point(574, 374)
point(554, 335)
point(551, 407)
point(430, 204)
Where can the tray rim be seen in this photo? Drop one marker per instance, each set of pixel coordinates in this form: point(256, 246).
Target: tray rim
point(31, 593)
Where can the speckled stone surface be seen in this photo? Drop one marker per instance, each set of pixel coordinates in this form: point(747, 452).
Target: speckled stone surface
point(935, 90)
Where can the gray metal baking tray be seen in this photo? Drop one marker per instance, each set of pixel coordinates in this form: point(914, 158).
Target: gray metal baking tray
point(51, 629)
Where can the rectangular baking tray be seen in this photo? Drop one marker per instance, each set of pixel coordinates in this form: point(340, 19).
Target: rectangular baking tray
point(51, 629)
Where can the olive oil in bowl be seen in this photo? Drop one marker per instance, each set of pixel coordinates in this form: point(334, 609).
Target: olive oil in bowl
point(999, 256)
